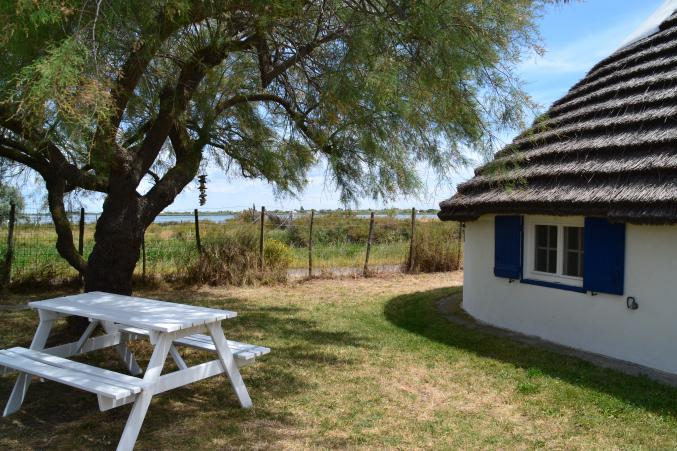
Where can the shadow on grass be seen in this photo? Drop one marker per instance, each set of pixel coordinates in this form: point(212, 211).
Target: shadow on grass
point(417, 313)
point(298, 344)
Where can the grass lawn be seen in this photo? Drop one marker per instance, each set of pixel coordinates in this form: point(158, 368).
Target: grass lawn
point(359, 364)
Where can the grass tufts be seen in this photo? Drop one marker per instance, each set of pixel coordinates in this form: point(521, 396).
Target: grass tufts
point(232, 259)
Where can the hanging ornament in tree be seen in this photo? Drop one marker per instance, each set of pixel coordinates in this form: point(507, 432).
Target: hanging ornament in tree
point(202, 180)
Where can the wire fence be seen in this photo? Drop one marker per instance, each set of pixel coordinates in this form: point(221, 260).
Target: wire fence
point(339, 242)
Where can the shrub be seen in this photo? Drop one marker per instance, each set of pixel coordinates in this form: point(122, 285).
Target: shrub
point(232, 259)
point(248, 215)
point(436, 248)
point(277, 255)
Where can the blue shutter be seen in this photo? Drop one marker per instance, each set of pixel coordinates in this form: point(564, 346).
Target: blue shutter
point(508, 247)
point(604, 256)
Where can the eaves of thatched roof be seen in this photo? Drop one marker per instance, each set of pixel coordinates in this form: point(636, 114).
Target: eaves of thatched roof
point(607, 148)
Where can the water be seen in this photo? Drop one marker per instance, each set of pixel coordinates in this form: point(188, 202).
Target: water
point(90, 218)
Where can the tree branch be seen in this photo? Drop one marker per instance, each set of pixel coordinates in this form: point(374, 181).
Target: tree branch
point(64, 240)
point(15, 151)
point(174, 101)
point(268, 75)
point(188, 158)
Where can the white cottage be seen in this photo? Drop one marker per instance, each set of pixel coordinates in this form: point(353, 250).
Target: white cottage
point(571, 231)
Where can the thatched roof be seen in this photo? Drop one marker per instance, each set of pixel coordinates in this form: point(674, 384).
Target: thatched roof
point(607, 148)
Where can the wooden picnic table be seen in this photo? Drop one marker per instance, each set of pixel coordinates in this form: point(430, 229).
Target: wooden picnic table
point(126, 318)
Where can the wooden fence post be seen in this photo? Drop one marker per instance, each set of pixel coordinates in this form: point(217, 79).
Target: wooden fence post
point(411, 242)
point(81, 236)
point(9, 254)
point(310, 244)
point(365, 271)
point(143, 256)
point(197, 232)
point(263, 219)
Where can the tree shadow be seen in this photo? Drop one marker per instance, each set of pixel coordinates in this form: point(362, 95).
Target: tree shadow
point(417, 313)
point(297, 345)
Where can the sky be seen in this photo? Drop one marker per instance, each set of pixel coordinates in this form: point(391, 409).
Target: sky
point(575, 36)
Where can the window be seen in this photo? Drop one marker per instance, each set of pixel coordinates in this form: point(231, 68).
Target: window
point(546, 248)
point(568, 253)
point(573, 251)
point(554, 250)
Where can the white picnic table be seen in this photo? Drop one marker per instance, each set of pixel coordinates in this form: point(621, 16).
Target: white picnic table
point(126, 318)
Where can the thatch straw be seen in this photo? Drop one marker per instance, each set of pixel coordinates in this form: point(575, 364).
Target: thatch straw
point(607, 148)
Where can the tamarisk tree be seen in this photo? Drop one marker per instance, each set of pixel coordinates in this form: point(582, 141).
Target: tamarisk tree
point(133, 99)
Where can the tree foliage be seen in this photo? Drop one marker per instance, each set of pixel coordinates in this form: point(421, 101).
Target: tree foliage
point(101, 95)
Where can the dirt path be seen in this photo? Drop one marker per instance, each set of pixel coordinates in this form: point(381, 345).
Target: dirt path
point(342, 271)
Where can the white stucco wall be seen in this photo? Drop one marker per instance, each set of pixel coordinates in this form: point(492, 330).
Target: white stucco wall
point(601, 323)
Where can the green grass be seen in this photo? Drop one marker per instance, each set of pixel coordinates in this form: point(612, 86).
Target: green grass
point(350, 254)
point(360, 363)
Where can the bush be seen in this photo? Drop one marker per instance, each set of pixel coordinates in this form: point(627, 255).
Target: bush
point(436, 248)
point(248, 216)
point(335, 229)
point(277, 255)
point(232, 259)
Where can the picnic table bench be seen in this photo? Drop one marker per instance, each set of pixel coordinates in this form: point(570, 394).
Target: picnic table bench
point(124, 319)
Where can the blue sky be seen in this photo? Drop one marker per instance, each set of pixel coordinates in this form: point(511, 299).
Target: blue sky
point(575, 36)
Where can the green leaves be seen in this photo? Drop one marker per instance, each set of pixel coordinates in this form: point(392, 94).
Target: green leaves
point(373, 90)
point(60, 85)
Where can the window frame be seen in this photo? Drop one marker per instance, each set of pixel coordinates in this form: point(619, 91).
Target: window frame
point(529, 264)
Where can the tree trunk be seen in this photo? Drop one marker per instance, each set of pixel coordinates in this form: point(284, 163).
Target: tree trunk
point(117, 244)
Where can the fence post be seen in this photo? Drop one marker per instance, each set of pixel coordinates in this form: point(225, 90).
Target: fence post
point(9, 254)
point(411, 242)
point(263, 219)
point(365, 271)
point(197, 232)
point(310, 244)
point(81, 237)
point(143, 256)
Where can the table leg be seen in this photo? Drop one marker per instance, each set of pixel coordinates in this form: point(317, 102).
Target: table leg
point(85, 335)
point(140, 407)
point(123, 350)
point(16, 399)
point(180, 363)
point(229, 365)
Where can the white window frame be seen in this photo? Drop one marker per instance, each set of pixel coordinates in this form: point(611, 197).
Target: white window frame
point(530, 223)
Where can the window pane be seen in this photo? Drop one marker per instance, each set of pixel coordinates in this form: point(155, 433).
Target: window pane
point(570, 238)
point(546, 249)
point(573, 238)
point(541, 236)
point(552, 230)
point(552, 261)
point(573, 251)
point(571, 267)
point(541, 260)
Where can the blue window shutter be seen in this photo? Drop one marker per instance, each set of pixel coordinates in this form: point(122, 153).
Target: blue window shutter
point(508, 247)
point(603, 256)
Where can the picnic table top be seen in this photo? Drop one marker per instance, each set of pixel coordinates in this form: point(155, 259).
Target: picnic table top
point(144, 313)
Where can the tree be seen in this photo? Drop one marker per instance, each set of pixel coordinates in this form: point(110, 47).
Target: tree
point(133, 99)
point(9, 194)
